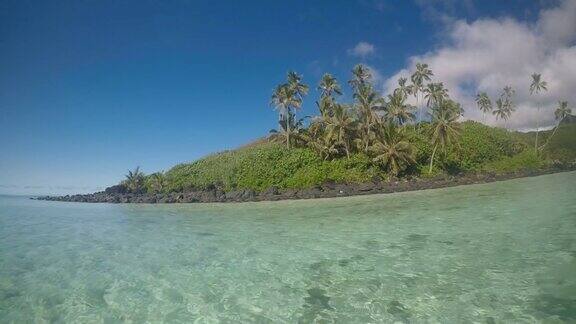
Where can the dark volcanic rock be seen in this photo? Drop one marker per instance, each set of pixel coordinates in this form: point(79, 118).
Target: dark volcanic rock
point(117, 189)
point(119, 194)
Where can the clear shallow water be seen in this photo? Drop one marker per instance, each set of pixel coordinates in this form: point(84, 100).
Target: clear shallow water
point(486, 253)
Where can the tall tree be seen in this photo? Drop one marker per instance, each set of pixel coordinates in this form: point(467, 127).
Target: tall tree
point(367, 101)
point(392, 150)
point(284, 98)
point(419, 77)
point(361, 77)
point(295, 83)
point(444, 129)
point(403, 88)
point(435, 94)
point(290, 131)
point(397, 110)
point(484, 104)
point(339, 128)
point(560, 113)
point(329, 86)
point(505, 105)
point(538, 85)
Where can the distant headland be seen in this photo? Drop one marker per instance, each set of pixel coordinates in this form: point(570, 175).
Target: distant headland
point(414, 138)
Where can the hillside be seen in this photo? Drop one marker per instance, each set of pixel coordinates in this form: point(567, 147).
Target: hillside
point(265, 164)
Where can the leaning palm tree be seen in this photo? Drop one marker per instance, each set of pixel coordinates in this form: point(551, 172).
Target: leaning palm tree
point(339, 128)
point(135, 180)
point(329, 86)
point(560, 113)
point(284, 98)
point(392, 150)
point(444, 129)
point(361, 76)
point(397, 110)
point(537, 86)
point(484, 104)
point(420, 76)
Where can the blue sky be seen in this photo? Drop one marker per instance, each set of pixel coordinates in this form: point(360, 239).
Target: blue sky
point(89, 88)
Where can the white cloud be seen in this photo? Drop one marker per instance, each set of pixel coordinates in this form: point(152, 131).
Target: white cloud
point(362, 49)
point(487, 54)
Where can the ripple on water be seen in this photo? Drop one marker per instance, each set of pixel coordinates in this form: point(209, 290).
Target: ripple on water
point(490, 253)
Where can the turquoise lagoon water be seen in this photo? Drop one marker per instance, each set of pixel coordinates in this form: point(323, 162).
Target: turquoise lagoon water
point(500, 252)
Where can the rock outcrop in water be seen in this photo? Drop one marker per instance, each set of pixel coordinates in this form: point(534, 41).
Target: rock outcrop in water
point(120, 194)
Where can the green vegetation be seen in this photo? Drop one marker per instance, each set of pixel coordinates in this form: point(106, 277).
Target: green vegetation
point(371, 138)
point(537, 85)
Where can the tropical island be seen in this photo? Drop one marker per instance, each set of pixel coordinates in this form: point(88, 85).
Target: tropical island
point(375, 144)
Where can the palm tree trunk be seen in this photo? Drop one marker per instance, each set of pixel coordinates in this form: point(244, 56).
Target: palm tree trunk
point(554, 132)
point(537, 130)
point(419, 110)
point(432, 158)
point(484, 118)
point(288, 130)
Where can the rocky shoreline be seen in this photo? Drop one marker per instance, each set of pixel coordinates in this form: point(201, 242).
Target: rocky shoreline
point(115, 195)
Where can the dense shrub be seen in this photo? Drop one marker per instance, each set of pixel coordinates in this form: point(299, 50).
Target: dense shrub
point(263, 165)
point(526, 160)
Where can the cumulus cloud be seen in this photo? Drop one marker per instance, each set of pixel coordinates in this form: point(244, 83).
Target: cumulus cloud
point(362, 49)
point(488, 54)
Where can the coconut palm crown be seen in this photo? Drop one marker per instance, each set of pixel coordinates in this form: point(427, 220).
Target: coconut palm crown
point(484, 104)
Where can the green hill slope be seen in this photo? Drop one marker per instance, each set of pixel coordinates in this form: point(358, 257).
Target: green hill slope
point(262, 165)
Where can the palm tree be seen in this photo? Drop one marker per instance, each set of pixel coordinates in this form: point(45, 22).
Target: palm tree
point(134, 180)
point(329, 86)
point(158, 182)
point(435, 93)
point(444, 129)
point(284, 98)
point(501, 112)
point(367, 102)
point(453, 106)
point(316, 139)
point(484, 104)
point(420, 76)
point(397, 110)
point(403, 87)
point(325, 105)
point(290, 131)
point(505, 105)
point(361, 76)
point(295, 83)
point(560, 113)
point(537, 86)
point(339, 128)
point(392, 150)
